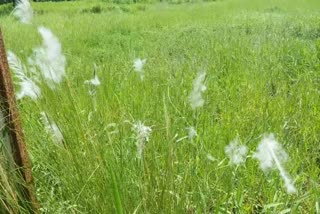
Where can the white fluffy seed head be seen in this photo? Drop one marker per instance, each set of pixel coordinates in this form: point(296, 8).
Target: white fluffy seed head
point(49, 58)
point(271, 155)
point(142, 131)
point(138, 65)
point(236, 153)
point(195, 97)
point(142, 134)
point(192, 132)
point(267, 151)
point(52, 128)
point(94, 81)
point(28, 87)
point(15, 64)
point(23, 11)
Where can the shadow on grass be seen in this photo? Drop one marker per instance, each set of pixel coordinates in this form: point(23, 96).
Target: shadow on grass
point(5, 9)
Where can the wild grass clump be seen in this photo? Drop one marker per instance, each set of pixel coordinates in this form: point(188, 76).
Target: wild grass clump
point(94, 9)
point(165, 110)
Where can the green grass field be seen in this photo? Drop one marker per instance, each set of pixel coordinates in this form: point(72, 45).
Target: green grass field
point(262, 60)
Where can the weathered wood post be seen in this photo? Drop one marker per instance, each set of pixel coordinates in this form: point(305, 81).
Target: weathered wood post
point(16, 137)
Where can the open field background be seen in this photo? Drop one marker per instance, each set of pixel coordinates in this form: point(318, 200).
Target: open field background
point(263, 76)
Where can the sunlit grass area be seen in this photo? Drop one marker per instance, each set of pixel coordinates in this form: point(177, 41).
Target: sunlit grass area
point(127, 144)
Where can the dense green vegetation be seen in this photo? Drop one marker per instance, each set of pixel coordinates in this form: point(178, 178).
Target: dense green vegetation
point(263, 75)
point(111, 1)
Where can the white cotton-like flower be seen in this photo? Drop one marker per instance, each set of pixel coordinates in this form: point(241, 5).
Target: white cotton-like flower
point(28, 89)
point(52, 128)
point(236, 153)
point(195, 97)
point(94, 83)
point(23, 11)
point(267, 151)
point(27, 86)
point(95, 80)
point(49, 58)
point(138, 66)
point(15, 63)
point(271, 155)
point(142, 134)
point(191, 132)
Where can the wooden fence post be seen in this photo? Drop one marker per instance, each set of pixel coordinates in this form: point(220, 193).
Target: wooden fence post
point(16, 137)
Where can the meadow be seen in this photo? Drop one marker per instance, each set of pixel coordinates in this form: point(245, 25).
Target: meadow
point(261, 61)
